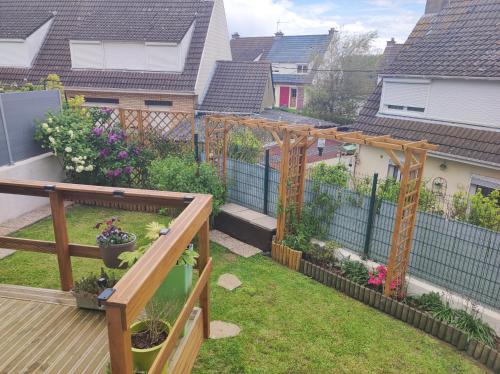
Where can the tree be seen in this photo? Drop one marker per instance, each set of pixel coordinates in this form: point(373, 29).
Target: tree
point(346, 75)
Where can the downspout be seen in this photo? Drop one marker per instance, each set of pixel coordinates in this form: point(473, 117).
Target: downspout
point(4, 122)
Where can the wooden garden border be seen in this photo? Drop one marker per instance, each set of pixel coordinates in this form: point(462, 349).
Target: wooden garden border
point(134, 290)
point(294, 140)
point(424, 321)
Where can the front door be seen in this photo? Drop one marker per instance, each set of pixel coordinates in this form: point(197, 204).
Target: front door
point(284, 96)
point(293, 98)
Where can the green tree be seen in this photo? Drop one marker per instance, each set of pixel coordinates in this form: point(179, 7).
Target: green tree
point(244, 146)
point(334, 175)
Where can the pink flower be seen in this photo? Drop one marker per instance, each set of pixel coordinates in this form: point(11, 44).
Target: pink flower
point(395, 284)
point(375, 281)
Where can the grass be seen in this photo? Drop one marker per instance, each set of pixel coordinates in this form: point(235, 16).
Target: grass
point(290, 323)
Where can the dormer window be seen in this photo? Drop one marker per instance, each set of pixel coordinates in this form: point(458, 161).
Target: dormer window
point(407, 97)
point(136, 56)
point(20, 53)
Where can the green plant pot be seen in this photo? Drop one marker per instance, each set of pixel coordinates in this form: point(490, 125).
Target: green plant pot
point(144, 358)
point(177, 286)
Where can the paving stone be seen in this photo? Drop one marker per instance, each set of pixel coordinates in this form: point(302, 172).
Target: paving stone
point(228, 281)
point(232, 208)
point(234, 245)
point(221, 330)
point(5, 252)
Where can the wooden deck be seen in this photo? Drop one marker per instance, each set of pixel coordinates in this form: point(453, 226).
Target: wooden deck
point(41, 331)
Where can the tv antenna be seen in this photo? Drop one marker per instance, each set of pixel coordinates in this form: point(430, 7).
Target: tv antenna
point(278, 25)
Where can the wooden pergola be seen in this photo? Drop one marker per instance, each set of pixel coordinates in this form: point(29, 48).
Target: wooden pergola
point(294, 140)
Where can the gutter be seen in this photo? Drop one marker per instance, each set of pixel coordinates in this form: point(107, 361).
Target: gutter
point(493, 79)
point(466, 160)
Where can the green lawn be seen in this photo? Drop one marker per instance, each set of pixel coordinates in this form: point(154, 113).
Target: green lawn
point(290, 324)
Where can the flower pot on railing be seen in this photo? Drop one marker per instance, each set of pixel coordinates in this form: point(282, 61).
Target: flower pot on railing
point(144, 357)
point(110, 252)
point(286, 255)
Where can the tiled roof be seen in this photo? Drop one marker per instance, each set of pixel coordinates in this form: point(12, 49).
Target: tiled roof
point(12, 27)
point(299, 48)
point(248, 49)
point(390, 53)
point(54, 56)
point(292, 78)
point(237, 87)
point(476, 144)
point(460, 40)
point(294, 118)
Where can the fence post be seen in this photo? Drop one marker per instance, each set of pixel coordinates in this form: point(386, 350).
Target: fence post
point(371, 217)
point(266, 182)
point(196, 154)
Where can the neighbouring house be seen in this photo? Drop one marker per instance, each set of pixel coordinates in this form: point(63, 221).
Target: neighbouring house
point(443, 86)
point(141, 54)
point(391, 51)
point(292, 59)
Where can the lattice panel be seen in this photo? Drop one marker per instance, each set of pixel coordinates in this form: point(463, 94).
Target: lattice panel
point(216, 139)
point(406, 213)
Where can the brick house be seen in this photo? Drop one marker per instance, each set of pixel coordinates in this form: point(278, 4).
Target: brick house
point(443, 85)
point(141, 54)
point(292, 59)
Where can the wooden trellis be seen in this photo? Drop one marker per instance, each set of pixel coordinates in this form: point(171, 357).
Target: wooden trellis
point(294, 140)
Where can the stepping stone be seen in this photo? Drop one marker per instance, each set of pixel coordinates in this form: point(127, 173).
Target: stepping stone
point(229, 281)
point(5, 252)
point(234, 245)
point(221, 330)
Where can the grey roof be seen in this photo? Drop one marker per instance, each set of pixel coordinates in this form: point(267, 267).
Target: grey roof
point(294, 118)
point(292, 78)
point(248, 49)
point(238, 87)
point(454, 139)
point(299, 48)
point(460, 40)
point(55, 57)
point(12, 27)
point(391, 51)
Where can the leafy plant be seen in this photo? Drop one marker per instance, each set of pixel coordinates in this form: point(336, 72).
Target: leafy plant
point(113, 234)
point(244, 146)
point(185, 175)
point(475, 327)
point(324, 256)
point(333, 175)
point(93, 284)
point(444, 313)
point(354, 271)
point(429, 301)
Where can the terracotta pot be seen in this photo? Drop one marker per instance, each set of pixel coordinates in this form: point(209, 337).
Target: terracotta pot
point(110, 253)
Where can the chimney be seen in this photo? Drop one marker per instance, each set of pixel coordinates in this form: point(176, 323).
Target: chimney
point(279, 34)
point(235, 35)
point(435, 6)
point(332, 31)
point(391, 42)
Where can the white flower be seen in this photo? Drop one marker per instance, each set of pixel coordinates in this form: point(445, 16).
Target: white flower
point(57, 129)
point(48, 130)
point(71, 134)
point(68, 149)
point(52, 140)
point(45, 126)
point(84, 157)
point(89, 168)
point(49, 120)
point(69, 167)
point(79, 169)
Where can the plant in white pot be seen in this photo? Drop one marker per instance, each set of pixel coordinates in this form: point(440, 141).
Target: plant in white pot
point(87, 289)
point(113, 241)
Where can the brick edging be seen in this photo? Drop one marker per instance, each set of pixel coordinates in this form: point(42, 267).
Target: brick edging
point(423, 321)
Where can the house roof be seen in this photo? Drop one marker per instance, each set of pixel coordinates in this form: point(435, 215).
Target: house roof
point(294, 118)
point(292, 78)
point(237, 86)
point(391, 51)
point(249, 49)
point(298, 48)
point(21, 27)
point(70, 15)
point(470, 143)
point(460, 40)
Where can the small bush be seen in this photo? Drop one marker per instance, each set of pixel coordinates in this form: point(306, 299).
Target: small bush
point(355, 271)
point(429, 301)
point(244, 146)
point(323, 256)
point(186, 175)
point(334, 175)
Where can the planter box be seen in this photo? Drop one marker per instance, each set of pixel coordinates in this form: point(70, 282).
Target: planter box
point(87, 301)
point(286, 256)
point(421, 320)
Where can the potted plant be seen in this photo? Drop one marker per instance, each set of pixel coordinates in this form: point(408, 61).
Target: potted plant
point(88, 288)
point(177, 284)
point(150, 333)
point(113, 241)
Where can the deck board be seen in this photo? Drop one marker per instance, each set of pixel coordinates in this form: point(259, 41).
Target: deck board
point(41, 331)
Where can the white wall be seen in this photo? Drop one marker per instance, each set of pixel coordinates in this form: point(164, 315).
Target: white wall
point(140, 56)
point(286, 68)
point(216, 48)
point(474, 102)
point(22, 52)
point(43, 167)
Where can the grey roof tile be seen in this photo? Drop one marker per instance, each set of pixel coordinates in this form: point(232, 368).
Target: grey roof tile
point(298, 48)
point(248, 49)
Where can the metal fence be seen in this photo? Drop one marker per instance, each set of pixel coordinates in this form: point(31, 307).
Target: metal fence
point(455, 255)
point(18, 112)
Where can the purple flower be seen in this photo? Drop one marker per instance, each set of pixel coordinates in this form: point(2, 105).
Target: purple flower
point(104, 153)
point(113, 138)
point(97, 131)
point(118, 172)
point(110, 173)
point(107, 111)
point(122, 155)
point(137, 151)
point(128, 170)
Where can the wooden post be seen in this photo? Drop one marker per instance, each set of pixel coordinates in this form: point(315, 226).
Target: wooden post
point(207, 140)
point(283, 187)
point(121, 115)
point(120, 343)
point(140, 126)
point(204, 250)
point(61, 238)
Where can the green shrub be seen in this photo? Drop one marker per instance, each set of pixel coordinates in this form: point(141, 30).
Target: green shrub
point(324, 256)
point(186, 175)
point(475, 327)
point(429, 301)
point(244, 146)
point(333, 175)
point(354, 271)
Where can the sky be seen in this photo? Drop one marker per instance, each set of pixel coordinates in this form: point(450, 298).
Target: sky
point(390, 18)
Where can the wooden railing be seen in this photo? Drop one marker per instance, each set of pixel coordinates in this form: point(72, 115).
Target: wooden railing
point(134, 290)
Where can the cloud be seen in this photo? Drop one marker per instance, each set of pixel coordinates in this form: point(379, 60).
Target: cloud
point(390, 18)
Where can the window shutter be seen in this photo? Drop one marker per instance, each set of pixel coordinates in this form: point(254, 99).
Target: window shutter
point(405, 94)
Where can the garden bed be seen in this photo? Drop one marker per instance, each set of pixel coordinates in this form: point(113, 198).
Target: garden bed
point(424, 321)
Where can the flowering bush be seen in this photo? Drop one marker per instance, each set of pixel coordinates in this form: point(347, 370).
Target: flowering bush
point(377, 278)
point(113, 234)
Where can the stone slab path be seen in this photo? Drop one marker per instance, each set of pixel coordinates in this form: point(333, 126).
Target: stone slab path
point(228, 281)
point(221, 330)
point(234, 245)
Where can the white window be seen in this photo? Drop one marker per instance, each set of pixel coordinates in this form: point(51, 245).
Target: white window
point(302, 69)
point(485, 185)
point(404, 97)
